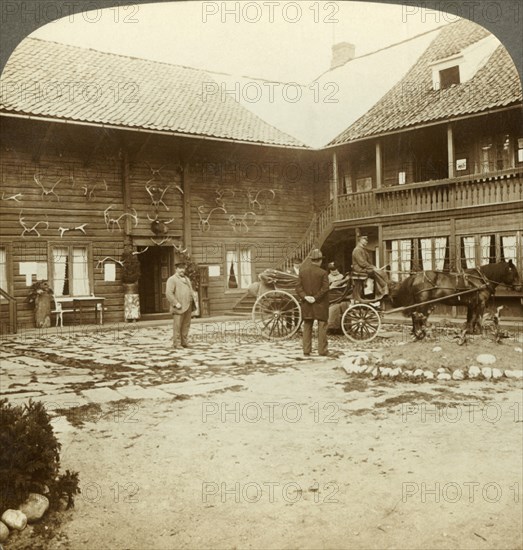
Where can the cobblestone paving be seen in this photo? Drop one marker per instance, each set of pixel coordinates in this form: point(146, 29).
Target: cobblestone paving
point(138, 362)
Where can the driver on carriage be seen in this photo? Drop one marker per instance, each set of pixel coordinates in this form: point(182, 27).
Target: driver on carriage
point(362, 266)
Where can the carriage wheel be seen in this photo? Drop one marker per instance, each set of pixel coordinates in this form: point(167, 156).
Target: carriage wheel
point(277, 315)
point(361, 323)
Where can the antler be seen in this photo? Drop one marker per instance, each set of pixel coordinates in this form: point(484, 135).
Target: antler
point(33, 229)
point(45, 191)
point(12, 197)
point(106, 259)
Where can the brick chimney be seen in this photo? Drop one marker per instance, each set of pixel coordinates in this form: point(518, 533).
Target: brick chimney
point(341, 53)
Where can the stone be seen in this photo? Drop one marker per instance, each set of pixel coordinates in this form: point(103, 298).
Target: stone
point(14, 519)
point(496, 373)
point(486, 372)
point(34, 507)
point(399, 362)
point(519, 350)
point(4, 532)
point(442, 369)
point(436, 349)
point(394, 373)
point(418, 372)
point(514, 373)
point(428, 374)
point(474, 371)
point(486, 359)
point(458, 375)
point(444, 376)
point(384, 371)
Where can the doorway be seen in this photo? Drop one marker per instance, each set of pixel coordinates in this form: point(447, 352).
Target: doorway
point(156, 268)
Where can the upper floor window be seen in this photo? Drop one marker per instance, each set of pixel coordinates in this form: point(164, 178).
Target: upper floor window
point(70, 270)
point(448, 77)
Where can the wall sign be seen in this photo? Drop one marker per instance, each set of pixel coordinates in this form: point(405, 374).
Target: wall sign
point(461, 164)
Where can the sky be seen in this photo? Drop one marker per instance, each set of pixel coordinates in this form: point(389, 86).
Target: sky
point(277, 40)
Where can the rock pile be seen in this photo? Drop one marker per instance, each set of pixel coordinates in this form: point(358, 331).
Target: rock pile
point(369, 364)
point(30, 511)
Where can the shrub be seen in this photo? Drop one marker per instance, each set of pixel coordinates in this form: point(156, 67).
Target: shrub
point(130, 267)
point(29, 452)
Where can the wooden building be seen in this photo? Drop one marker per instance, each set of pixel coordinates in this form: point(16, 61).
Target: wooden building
point(99, 151)
point(144, 161)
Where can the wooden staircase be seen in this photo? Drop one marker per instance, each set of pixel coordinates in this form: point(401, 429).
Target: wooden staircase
point(318, 230)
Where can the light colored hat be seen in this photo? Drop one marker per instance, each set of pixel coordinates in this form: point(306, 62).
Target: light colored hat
point(316, 254)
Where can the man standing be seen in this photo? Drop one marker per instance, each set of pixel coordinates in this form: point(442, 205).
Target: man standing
point(179, 293)
point(362, 265)
point(313, 289)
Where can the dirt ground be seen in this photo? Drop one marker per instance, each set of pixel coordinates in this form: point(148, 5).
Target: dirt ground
point(299, 457)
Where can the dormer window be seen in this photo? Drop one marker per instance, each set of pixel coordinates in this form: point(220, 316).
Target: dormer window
point(448, 77)
point(462, 66)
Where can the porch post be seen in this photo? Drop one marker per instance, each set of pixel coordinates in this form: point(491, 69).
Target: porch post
point(186, 186)
point(335, 185)
point(379, 165)
point(450, 151)
point(126, 192)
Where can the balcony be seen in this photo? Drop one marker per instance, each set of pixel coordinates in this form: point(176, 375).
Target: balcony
point(462, 192)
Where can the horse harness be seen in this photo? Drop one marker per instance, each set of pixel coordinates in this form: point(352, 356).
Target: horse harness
point(462, 278)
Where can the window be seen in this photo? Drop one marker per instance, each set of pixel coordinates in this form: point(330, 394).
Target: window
point(434, 254)
point(400, 258)
point(70, 269)
point(448, 77)
point(487, 249)
point(496, 152)
point(239, 267)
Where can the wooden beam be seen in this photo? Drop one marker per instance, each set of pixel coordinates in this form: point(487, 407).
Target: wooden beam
point(379, 165)
point(450, 151)
point(126, 189)
point(186, 186)
point(335, 185)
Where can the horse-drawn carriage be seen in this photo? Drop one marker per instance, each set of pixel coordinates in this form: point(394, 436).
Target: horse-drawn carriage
point(277, 310)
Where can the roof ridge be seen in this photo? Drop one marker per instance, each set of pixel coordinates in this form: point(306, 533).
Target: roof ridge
point(149, 60)
point(388, 47)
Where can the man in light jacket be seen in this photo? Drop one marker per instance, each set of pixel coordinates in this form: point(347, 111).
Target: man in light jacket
point(179, 293)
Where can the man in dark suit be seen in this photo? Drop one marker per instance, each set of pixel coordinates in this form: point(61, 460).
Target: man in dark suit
point(313, 290)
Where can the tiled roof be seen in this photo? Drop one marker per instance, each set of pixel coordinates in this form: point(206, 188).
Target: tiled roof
point(55, 80)
point(413, 101)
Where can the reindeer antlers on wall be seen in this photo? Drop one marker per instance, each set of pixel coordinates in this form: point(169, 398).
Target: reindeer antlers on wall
point(112, 223)
point(89, 191)
point(241, 224)
point(81, 228)
point(45, 191)
point(27, 230)
point(16, 197)
point(257, 200)
point(204, 222)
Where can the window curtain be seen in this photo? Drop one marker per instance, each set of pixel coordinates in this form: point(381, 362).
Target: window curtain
point(245, 268)
point(426, 254)
point(440, 252)
point(406, 257)
point(60, 256)
point(232, 267)
point(508, 248)
point(80, 272)
point(488, 250)
point(469, 251)
point(394, 261)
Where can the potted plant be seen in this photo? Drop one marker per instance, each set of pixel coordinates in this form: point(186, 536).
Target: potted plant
point(41, 296)
point(130, 278)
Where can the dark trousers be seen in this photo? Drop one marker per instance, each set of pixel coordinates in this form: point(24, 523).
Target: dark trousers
point(323, 347)
point(181, 326)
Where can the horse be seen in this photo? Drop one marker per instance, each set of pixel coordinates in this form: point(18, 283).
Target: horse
point(472, 287)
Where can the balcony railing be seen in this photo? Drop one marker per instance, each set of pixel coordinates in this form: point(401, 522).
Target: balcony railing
point(484, 189)
point(462, 192)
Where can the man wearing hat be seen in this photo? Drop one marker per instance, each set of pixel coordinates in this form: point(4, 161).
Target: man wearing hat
point(361, 264)
point(313, 289)
point(179, 293)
